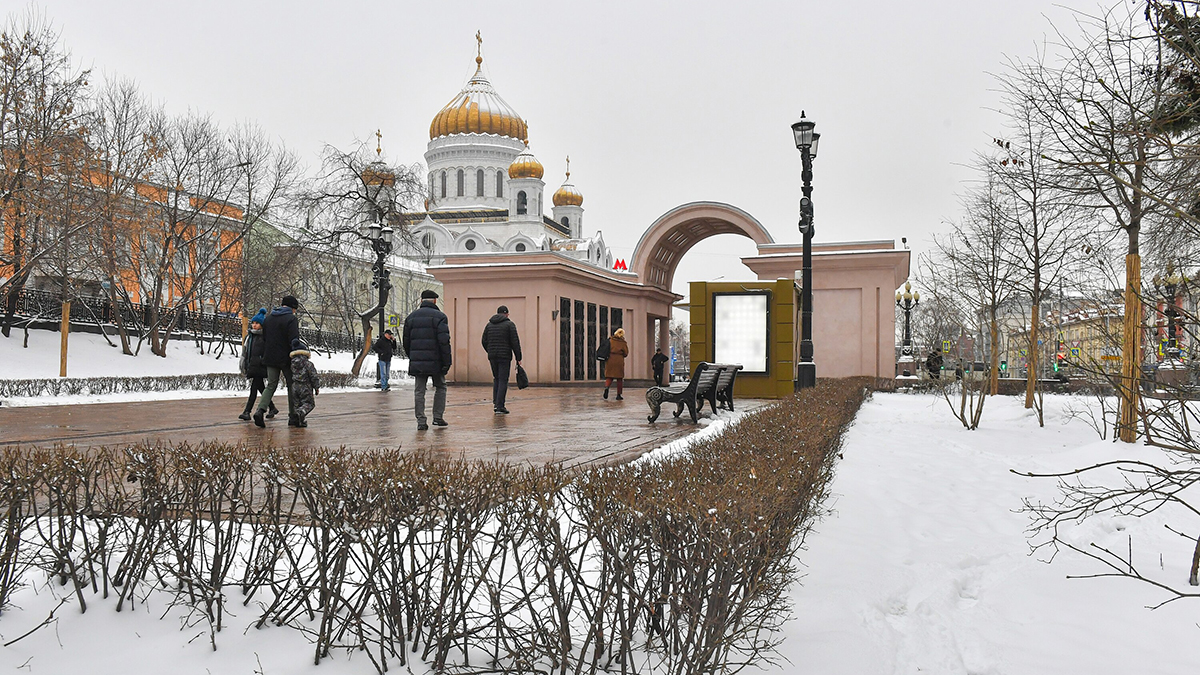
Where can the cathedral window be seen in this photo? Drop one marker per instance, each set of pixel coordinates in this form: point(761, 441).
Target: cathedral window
point(470, 244)
point(499, 183)
point(521, 248)
point(566, 222)
point(427, 241)
point(443, 185)
point(479, 183)
point(462, 188)
point(522, 203)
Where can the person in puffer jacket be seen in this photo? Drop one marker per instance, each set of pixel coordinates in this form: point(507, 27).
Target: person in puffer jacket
point(251, 364)
point(306, 382)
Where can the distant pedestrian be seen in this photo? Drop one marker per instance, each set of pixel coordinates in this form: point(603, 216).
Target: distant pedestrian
point(427, 342)
point(385, 347)
point(279, 329)
point(502, 343)
point(251, 364)
point(618, 349)
point(305, 384)
point(658, 362)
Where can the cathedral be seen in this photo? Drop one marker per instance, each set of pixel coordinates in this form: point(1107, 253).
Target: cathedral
point(486, 189)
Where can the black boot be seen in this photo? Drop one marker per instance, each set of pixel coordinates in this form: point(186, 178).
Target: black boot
point(293, 421)
point(272, 411)
point(606, 392)
point(245, 416)
point(258, 418)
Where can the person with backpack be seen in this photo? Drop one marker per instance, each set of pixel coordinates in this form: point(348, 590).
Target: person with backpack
point(602, 352)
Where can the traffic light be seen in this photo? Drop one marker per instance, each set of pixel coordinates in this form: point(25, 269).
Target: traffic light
point(1004, 366)
point(1058, 362)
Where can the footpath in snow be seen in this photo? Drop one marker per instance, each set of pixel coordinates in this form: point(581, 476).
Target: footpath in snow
point(924, 567)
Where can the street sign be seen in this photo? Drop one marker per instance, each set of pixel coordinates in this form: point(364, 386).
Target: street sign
point(1110, 357)
point(945, 345)
point(1075, 352)
point(1024, 352)
point(393, 320)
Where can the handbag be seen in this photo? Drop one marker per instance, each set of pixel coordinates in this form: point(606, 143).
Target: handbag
point(522, 377)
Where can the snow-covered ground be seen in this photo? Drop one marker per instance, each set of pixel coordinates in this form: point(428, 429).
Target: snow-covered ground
point(89, 355)
point(924, 567)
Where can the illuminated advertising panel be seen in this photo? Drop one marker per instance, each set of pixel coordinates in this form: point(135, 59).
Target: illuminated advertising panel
point(740, 330)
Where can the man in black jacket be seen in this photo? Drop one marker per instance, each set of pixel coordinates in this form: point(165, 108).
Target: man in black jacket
point(279, 329)
point(385, 346)
point(427, 342)
point(502, 344)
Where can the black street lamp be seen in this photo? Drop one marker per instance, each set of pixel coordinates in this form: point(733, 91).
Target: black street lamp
point(1169, 286)
point(907, 301)
point(806, 143)
point(380, 238)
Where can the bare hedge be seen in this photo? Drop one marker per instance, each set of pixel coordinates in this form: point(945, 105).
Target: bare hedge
point(680, 565)
point(93, 386)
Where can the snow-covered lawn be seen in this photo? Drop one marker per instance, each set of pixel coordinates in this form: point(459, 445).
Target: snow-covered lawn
point(924, 566)
point(89, 355)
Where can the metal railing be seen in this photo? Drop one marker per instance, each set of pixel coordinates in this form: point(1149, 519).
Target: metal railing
point(90, 310)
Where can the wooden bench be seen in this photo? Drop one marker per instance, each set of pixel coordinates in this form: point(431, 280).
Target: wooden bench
point(722, 391)
point(683, 394)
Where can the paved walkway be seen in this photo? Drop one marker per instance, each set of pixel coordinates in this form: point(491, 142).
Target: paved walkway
point(568, 425)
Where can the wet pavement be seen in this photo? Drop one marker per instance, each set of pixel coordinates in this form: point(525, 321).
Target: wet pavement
point(567, 425)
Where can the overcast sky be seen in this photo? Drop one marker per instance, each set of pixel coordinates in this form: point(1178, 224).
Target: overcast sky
point(657, 103)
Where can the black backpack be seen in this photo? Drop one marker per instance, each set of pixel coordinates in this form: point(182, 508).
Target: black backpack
point(603, 350)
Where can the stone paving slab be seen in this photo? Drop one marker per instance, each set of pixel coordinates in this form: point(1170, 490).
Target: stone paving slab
point(567, 425)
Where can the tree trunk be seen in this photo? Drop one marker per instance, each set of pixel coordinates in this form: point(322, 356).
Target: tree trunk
point(1130, 363)
point(1032, 361)
point(994, 378)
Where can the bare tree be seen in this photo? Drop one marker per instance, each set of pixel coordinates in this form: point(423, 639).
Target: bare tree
point(42, 121)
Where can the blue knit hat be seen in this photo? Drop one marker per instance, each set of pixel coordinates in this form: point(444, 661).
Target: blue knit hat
point(298, 345)
point(261, 316)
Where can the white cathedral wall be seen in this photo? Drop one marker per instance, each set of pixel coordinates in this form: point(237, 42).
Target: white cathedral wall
point(470, 152)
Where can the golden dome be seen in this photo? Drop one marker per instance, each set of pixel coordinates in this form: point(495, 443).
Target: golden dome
point(567, 195)
point(526, 165)
point(478, 109)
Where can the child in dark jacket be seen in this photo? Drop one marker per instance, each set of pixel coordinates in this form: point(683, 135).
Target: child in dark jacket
point(306, 384)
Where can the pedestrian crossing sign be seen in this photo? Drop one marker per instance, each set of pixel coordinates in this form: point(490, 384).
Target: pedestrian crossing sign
point(945, 345)
point(393, 320)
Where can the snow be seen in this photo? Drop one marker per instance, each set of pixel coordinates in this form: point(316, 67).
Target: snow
point(924, 565)
point(89, 355)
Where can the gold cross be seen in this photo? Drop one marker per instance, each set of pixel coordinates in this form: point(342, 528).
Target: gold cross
point(378, 142)
point(568, 166)
point(479, 39)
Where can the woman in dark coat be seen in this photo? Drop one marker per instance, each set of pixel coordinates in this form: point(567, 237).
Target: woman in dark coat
point(614, 368)
point(251, 364)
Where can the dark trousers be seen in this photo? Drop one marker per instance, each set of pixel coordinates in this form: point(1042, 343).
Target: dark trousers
point(500, 370)
point(273, 374)
point(658, 374)
point(256, 385)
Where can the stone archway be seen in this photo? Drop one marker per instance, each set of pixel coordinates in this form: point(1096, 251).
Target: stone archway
point(658, 252)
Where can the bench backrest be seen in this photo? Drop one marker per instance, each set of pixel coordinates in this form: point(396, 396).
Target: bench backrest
point(727, 373)
point(707, 378)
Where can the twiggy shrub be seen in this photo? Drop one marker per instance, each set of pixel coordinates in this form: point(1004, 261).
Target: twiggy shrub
point(95, 386)
point(678, 565)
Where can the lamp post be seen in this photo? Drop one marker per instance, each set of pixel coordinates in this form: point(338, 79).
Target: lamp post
point(806, 143)
point(380, 238)
point(907, 301)
point(1171, 372)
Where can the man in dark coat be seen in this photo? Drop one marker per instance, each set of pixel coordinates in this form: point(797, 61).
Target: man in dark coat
point(279, 329)
point(502, 343)
point(657, 362)
point(934, 364)
point(385, 346)
point(427, 342)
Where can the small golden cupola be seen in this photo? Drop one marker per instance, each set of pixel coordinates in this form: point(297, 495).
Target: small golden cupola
point(526, 165)
point(567, 195)
point(478, 109)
